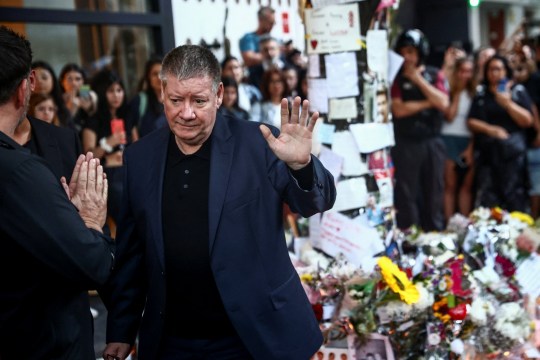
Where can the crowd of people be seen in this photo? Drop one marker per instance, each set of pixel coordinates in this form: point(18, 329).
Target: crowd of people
point(106, 119)
point(467, 134)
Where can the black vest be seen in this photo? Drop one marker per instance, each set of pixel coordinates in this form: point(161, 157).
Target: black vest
point(424, 124)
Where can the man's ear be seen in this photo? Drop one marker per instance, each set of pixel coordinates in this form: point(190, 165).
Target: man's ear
point(20, 94)
point(219, 95)
point(32, 78)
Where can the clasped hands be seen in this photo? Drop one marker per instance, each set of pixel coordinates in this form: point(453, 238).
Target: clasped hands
point(293, 145)
point(88, 191)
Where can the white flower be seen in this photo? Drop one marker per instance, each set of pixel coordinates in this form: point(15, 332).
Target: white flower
point(343, 271)
point(426, 298)
point(457, 346)
point(398, 310)
point(480, 310)
point(512, 321)
point(312, 257)
point(509, 252)
point(481, 213)
point(487, 276)
point(444, 257)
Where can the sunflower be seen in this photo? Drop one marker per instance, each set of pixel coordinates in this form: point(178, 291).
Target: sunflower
point(398, 281)
point(526, 218)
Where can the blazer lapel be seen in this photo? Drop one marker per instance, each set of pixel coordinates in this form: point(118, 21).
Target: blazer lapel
point(220, 167)
point(155, 175)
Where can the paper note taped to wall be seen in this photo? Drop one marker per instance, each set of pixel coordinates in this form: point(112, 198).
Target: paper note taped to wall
point(373, 136)
point(343, 109)
point(333, 28)
point(318, 95)
point(314, 68)
point(341, 75)
point(345, 146)
point(377, 53)
point(331, 161)
point(341, 235)
point(351, 194)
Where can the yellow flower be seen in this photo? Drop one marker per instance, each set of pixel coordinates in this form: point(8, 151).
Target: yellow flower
point(398, 281)
point(306, 278)
point(526, 218)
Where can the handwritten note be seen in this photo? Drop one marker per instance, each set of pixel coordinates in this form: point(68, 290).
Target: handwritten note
point(333, 28)
point(351, 194)
point(343, 109)
point(357, 242)
point(342, 75)
point(373, 136)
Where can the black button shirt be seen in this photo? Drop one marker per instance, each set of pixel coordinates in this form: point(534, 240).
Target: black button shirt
point(194, 307)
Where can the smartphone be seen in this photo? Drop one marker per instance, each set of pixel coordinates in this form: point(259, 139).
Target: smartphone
point(501, 87)
point(84, 91)
point(117, 126)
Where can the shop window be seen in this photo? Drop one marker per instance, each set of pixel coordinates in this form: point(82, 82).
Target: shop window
point(94, 47)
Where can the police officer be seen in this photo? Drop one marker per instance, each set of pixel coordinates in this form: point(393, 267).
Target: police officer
point(418, 99)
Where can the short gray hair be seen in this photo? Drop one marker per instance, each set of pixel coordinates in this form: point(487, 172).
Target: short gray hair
point(191, 61)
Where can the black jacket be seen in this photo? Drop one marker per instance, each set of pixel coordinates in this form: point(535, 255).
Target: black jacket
point(48, 260)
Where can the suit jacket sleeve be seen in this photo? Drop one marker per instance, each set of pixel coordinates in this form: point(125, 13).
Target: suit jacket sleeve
point(37, 214)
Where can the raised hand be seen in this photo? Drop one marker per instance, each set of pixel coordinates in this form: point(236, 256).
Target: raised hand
point(293, 145)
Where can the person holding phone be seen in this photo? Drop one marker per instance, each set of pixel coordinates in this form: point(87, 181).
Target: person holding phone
point(500, 114)
point(79, 99)
point(107, 133)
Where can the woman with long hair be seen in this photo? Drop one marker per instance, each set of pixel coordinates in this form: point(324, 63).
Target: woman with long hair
point(273, 89)
point(79, 99)
point(458, 167)
point(229, 106)
point(47, 84)
point(500, 114)
point(145, 109)
point(107, 132)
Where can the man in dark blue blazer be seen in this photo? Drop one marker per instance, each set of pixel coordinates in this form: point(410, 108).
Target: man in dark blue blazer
point(203, 271)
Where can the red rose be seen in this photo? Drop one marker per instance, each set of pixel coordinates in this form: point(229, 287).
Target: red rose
point(505, 266)
point(459, 312)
